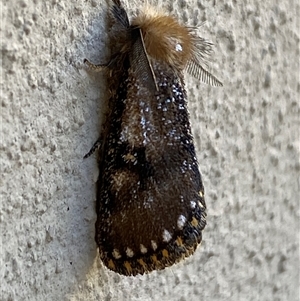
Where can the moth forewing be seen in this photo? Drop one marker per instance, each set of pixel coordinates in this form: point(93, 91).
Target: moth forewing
point(150, 200)
point(140, 63)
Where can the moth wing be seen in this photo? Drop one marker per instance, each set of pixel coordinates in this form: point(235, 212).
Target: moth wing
point(140, 62)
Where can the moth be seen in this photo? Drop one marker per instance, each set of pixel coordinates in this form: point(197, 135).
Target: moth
point(151, 208)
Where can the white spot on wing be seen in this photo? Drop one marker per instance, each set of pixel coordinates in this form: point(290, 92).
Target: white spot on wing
point(154, 245)
point(124, 134)
point(143, 121)
point(129, 252)
point(200, 204)
point(148, 202)
point(166, 236)
point(181, 106)
point(143, 249)
point(193, 204)
point(181, 221)
point(116, 254)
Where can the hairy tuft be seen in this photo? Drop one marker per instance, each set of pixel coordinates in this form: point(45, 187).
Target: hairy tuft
point(165, 38)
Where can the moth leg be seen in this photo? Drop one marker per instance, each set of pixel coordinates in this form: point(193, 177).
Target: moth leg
point(95, 147)
point(110, 65)
point(96, 68)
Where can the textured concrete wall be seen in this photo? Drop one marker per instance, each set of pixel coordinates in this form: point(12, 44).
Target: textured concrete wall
point(246, 134)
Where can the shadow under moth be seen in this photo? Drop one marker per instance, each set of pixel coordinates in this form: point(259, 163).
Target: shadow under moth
point(150, 196)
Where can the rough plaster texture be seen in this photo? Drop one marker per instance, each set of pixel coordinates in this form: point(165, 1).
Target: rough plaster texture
point(246, 134)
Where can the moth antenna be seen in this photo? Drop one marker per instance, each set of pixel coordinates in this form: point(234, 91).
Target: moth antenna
point(197, 71)
point(201, 55)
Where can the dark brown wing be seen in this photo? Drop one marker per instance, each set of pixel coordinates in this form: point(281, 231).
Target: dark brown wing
point(151, 209)
point(150, 201)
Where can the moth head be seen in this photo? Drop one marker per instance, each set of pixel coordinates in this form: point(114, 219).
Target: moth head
point(165, 38)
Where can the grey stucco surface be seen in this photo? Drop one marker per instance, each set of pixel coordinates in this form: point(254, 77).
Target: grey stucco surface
point(246, 135)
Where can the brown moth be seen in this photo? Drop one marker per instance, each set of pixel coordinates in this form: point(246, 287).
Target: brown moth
point(150, 196)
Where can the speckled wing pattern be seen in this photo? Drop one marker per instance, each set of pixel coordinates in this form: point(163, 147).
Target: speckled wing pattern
point(150, 197)
point(150, 204)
